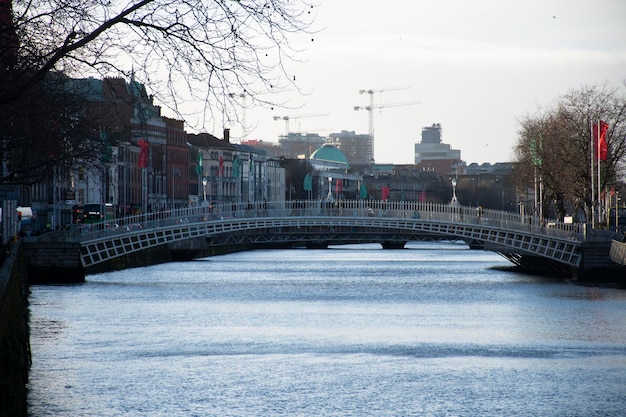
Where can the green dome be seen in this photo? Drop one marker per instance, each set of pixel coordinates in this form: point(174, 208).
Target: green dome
point(328, 153)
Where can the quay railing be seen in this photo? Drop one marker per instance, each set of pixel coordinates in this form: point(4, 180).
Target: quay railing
point(413, 211)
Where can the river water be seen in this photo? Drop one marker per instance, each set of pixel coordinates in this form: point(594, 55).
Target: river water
point(434, 330)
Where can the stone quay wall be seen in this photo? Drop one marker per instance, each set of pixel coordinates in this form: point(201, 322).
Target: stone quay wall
point(15, 356)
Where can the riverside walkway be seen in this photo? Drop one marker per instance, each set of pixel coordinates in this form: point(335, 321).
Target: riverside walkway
point(546, 247)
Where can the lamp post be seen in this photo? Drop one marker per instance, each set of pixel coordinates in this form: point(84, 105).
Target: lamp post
point(204, 181)
point(330, 193)
point(454, 200)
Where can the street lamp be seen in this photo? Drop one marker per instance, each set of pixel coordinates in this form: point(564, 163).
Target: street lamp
point(204, 181)
point(454, 200)
point(330, 193)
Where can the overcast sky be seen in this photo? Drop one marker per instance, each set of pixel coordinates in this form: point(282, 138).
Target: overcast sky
point(476, 66)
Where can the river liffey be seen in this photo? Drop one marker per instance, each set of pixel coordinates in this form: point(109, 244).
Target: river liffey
point(431, 330)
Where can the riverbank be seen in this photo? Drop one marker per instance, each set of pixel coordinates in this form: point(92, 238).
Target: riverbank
point(14, 335)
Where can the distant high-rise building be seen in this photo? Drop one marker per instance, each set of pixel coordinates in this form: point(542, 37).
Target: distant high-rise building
point(356, 147)
point(433, 155)
point(431, 134)
point(299, 145)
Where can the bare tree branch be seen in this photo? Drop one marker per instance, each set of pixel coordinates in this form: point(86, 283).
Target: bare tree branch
point(236, 45)
point(194, 55)
point(556, 144)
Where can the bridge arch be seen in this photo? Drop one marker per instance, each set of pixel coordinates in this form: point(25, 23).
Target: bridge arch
point(519, 238)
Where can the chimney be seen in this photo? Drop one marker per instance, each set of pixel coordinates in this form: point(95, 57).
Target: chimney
point(227, 135)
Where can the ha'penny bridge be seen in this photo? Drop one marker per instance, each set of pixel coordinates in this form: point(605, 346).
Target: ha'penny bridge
point(547, 247)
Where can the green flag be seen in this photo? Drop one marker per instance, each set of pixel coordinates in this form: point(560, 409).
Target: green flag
point(363, 191)
point(236, 166)
point(308, 183)
point(199, 166)
point(535, 152)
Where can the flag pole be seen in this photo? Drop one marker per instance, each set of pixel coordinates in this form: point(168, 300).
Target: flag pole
point(599, 187)
point(591, 175)
point(540, 163)
point(536, 206)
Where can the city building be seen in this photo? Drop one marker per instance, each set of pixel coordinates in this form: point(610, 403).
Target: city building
point(179, 169)
point(299, 145)
point(431, 154)
point(355, 146)
point(215, 168)
point(499, 168)
point(331, 178)
point(406, 183)
point(150, 163)
point(236, 173)
point(123, 111)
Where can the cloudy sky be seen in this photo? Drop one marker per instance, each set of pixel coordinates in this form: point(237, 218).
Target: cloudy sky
point(476, 67)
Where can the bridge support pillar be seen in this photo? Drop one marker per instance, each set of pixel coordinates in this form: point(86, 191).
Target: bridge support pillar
point(317, 245)
point(393, 245)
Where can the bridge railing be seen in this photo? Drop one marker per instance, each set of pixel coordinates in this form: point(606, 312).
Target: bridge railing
point(415, 211)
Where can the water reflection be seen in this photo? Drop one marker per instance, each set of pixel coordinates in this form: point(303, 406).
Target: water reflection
point(358, 331)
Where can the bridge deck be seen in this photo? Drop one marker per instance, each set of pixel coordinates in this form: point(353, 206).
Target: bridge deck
point(510, 234)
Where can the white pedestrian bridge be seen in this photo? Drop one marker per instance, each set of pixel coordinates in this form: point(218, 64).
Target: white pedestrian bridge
point(549, 246)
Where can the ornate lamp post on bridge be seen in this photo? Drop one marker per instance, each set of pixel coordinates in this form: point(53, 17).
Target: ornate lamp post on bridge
point(454, 201)
point(204, 182)
point(330, 192)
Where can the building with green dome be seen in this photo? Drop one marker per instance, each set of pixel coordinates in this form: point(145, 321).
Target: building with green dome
point(329, 158)
point(331, 179)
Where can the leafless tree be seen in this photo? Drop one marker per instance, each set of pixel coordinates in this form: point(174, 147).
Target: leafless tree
point(554, 146)
point(207, 52)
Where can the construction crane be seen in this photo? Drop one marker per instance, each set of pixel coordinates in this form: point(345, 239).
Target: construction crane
point(244, 127)
point(296, 117)
point(373, 107)
point(244, 106)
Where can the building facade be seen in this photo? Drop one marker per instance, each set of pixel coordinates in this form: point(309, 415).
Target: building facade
point(356, 147)
point(236, 174)
point(330, 175)
point(299, 145)
point(431, 154)
point(151, 163)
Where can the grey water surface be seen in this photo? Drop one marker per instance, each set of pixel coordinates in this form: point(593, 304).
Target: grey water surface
point(432, 330)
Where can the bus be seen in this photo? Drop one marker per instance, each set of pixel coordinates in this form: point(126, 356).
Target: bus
point(91, 213)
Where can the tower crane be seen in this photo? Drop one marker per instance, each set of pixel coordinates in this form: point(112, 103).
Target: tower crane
point(244, 127)
point(243, 95)
point(373, 107)
point(295, 117)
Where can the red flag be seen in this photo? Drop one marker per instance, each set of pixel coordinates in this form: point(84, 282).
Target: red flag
point(385, 193)
point(221, 166)
point(422, 197)
point(143, 153)
point(338, 187)
point(600, 146)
